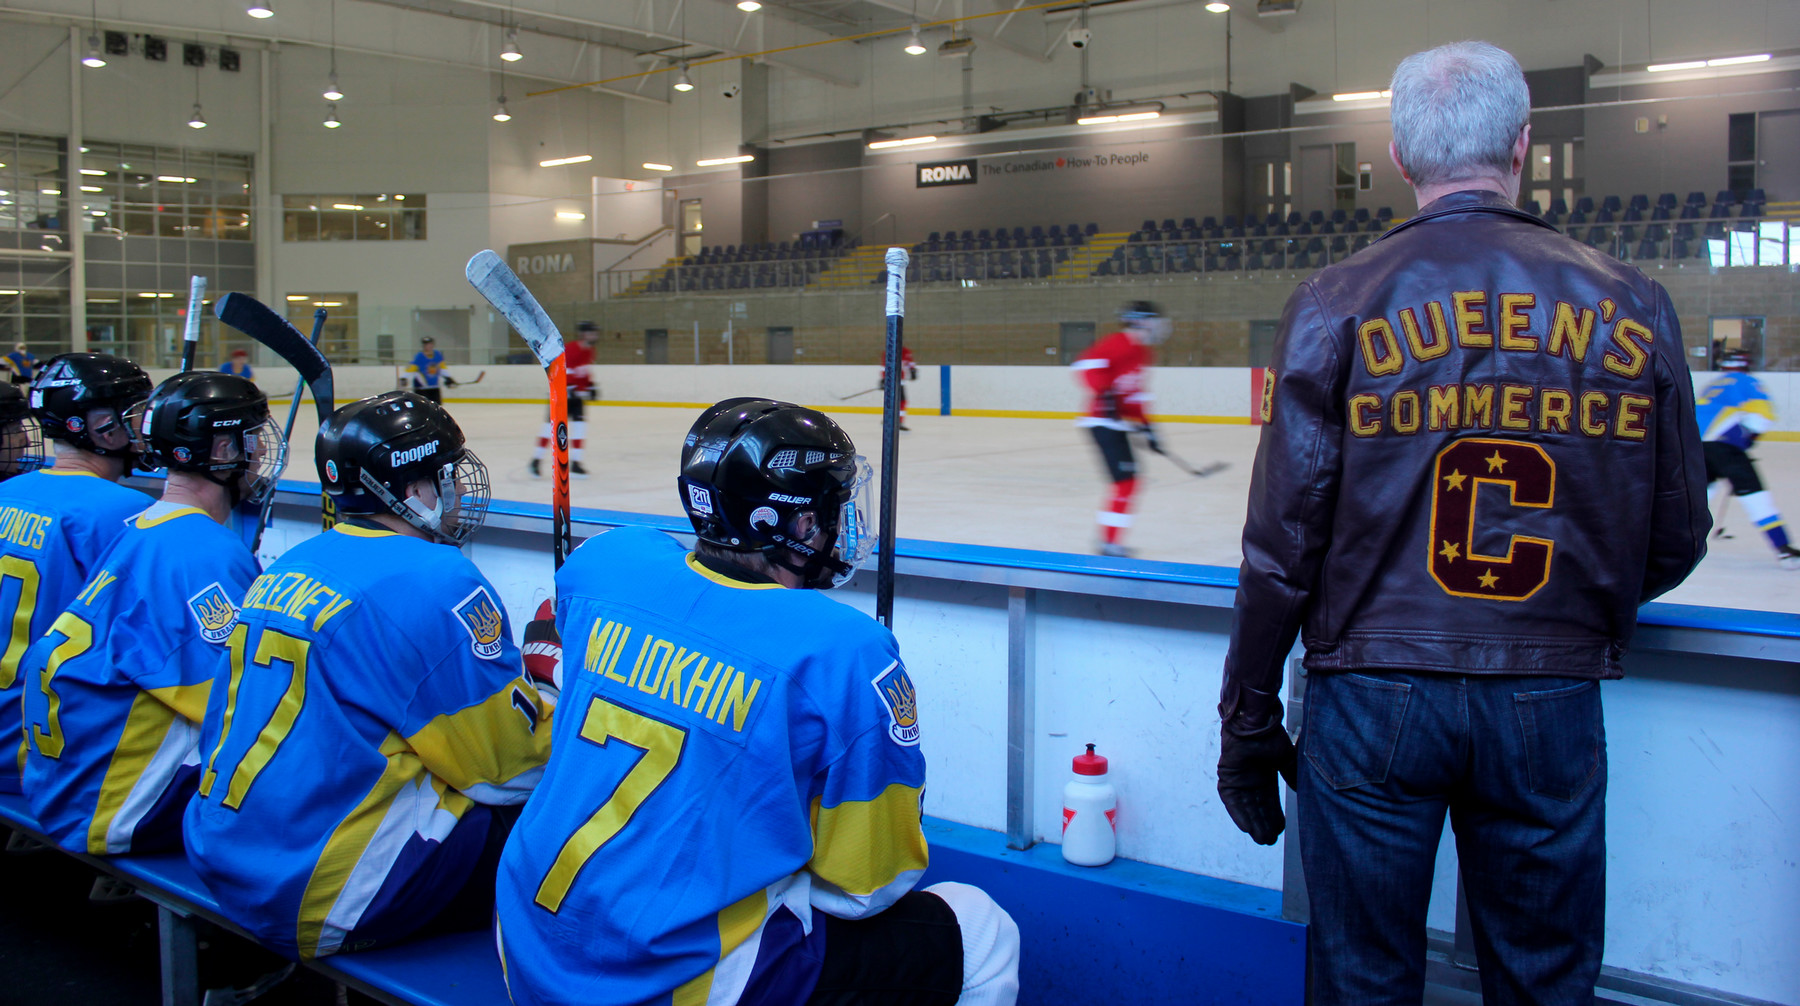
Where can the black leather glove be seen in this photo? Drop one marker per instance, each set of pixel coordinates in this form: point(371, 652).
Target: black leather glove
point(1248, 766)
point(449, 382)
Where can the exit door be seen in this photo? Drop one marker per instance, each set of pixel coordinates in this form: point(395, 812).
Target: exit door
point(781, 344)
point(1074, 336)
point(1262, 343)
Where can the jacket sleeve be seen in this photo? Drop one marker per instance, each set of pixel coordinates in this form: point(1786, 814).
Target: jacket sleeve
point(1679, 517)
point(1094, 371)
point(1287, 528)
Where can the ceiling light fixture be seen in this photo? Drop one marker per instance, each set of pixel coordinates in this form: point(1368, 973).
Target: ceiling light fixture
point(749, 6)
point(95, 172)
point(92, 188)
point(510, 50)
point(1218, 7)
point(260, 10)
point(1361, 95)
point(93, 58)
point(1761, 57)
point(713, 162)
point(557, 162)
point(174, 178)
point(196, 120)
point(653, 166)
point(914, 47)
point(332, 91)
point(1103, 115)
point(1692, 64)
point(910, 141)
point(331, 119)
point(298, 296)
point(501, 114)
point(346, 206)
point(684, 82)
point(570, 215)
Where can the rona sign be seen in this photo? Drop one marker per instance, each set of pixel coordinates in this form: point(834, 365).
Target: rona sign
point(947, 173)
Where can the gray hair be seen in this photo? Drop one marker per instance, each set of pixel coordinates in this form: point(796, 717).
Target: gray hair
point(1457, 111)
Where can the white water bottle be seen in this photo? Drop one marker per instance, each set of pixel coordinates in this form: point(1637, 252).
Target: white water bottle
point(1089, 805)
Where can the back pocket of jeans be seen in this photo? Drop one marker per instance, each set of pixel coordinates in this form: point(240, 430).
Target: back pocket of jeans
point(1563, 734)
point(1353, 726)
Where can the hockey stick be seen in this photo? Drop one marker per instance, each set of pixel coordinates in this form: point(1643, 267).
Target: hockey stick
point(866, 391)
point(890, 436)
point(191, 338)
point(1199, 473)
point(461, 384)
point(488, 273)
point(253, 318)
point(287, 433)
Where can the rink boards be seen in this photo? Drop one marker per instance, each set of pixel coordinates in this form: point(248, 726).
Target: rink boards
point(1022, 657)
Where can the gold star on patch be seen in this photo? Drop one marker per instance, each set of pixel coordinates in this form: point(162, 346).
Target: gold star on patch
point(1488, 579)
point(1450, 551)
point(1454, 480)
point(1496, 463)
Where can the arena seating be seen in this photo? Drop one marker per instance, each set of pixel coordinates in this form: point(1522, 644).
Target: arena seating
point(772, 264)
point(1036, 252)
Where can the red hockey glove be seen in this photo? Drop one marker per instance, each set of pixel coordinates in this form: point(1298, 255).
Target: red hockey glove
point(543, 654)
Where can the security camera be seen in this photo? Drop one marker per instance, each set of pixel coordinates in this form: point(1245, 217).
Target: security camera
point(1080, 37)
point(729, 90)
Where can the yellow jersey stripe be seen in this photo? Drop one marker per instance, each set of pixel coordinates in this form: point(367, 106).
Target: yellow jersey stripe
point(694, 564)
point(737, 923)
point(146, 724)
point(188, 700)
point(362, 532)
point(349, 841)
point(862, 846)
point(143, 521)
point(489, 742)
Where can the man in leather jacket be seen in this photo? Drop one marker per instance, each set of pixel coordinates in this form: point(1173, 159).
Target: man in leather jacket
point(1481, 457)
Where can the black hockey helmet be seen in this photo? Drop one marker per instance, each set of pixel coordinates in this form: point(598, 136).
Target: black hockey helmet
point(1147, 319)
point(74, 384)
point(217, 425)
point(750, 467)
point(21, 442)
point(369, 452)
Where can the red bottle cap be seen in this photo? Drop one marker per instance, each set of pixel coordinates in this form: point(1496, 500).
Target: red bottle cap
point(1090, 763)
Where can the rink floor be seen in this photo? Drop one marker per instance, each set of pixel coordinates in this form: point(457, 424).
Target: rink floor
point(1033, 483)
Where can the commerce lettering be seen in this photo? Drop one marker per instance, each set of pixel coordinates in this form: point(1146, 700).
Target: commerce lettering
point(1516, 408)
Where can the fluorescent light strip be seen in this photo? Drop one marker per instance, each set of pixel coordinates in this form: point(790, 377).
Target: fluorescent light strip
point(1761, 57)
point(653, 166)
point(557, 162)
point(346, 206)
point(1692, 64)
point(92, 188)
point(715, 161)
point(1101, 120)
point(909, 141)
point(1361, 95)
point(92, 171)
point(298, 296)
point(176, 178)
point(570, 215)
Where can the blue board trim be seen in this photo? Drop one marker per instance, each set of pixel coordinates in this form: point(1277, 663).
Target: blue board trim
point(944, 390)
point(1777, 624)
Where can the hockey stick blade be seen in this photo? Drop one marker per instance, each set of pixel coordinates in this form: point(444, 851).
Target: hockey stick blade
point(489, 274)
point(865, 391)
point(191, 338)
point(253, 318)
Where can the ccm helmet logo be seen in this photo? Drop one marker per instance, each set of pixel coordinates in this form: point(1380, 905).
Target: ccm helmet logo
point(785, 498)
point(412, 454)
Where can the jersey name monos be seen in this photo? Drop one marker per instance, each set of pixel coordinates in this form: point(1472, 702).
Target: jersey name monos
point(22, 527)
point(412, 454)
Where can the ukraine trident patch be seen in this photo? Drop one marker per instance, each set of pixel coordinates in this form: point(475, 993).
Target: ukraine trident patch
point(902, 702)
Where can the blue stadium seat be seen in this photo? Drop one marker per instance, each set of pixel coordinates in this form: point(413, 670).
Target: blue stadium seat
point(1209, 224)
point(1188, 224)
point(1362, 215)
point(1532, 207)
point(1316, 218)
point(1338, 216)
point(1055, 230)
point(1149, 225)
point(1038, 231)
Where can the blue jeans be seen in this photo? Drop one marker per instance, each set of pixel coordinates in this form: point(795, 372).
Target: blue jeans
point(1520, 765)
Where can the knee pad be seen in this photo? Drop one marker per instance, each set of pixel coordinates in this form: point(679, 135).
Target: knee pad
point(990, 941)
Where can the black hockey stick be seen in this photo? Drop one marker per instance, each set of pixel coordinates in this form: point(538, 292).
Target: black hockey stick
point(866, 391)
point(890, 435)
point(253, 318)
point(191, 338)
point(1199, 473)
point(287, 433)
point(488, 273)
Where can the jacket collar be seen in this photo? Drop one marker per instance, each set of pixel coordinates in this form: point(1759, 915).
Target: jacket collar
point(1467, 201)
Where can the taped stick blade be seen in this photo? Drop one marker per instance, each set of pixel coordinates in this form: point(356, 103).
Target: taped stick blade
point(501, 287)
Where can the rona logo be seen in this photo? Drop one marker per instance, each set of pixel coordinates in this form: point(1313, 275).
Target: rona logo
point(411, 454)
point(528, 265)
point(947, 173)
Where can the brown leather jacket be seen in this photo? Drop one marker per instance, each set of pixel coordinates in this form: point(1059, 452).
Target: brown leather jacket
point(1481, 458)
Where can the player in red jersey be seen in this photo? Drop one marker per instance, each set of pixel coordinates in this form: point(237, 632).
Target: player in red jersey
point(909, 371)
point(1113, 370)
point(579, 356)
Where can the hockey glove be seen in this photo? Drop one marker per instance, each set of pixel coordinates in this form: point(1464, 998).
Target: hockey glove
point(449, 382)
point(1248, 766)
point(1109, 404)
point(1150, 438)
point(543, 655)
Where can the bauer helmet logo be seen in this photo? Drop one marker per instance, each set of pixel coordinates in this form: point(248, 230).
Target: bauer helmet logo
point(411, 454)
point(700, 498)
point(214, 612)
point(764, 515)
point(902, 703)
point(785, 498)
point(481, 616)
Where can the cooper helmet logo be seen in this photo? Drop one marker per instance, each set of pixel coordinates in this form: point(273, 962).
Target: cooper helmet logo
point(412, 454)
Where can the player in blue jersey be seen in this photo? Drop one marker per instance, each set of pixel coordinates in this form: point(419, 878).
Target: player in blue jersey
point(21, 363)
point(116, 689)
point(56, 523)
point(370, 733)
point(238, 365)
point(731, 814)
point(1733, 411)
point(427, 368)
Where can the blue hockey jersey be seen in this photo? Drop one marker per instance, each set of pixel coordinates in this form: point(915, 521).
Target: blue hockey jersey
point(371, 695)
point(1734, 409)
point(54, 527)
point(728, 758)
point(115, 691)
